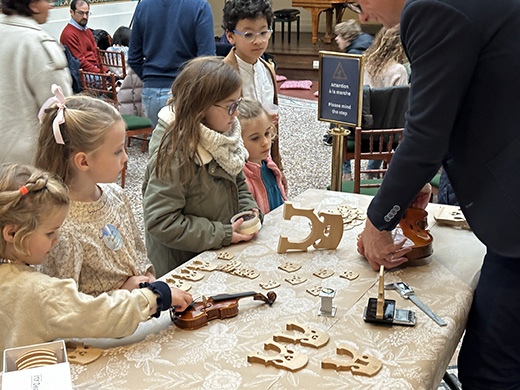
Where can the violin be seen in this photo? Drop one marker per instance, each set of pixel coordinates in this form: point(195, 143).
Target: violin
point(218, 306)
point(414, 225)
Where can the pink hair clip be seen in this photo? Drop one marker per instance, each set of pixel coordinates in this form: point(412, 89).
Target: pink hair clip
point(59, 99)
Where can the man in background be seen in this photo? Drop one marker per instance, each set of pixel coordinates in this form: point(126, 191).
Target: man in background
point(165, 35)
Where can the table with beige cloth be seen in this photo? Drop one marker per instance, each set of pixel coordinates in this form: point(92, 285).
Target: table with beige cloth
point(162, 356)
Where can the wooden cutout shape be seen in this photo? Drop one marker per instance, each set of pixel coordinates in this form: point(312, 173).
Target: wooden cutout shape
point(201, 265)
point(246, 273)
point(324, 234)
point(306, 336)
point(296, 279)
point(449, 216)
point(178, 283)
point(43, 352)
point(287, 358)
point(188, 274)
point(315, 290)
point(350, 275)
point(323, 273)
point(230, 266)
point(290, 267)
point(225, 256)
point(270, 284)
point(359, 364)
point(82, 354)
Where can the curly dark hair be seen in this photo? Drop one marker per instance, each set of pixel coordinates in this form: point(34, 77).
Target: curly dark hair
point(236, 10)
point(17, 7)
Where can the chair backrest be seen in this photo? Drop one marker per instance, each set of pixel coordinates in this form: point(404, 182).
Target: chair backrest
point(388, 107)
point(113, 60)
point(100, 85)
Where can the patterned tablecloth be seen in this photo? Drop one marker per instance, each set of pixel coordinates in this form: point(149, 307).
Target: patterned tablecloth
point(161, 356)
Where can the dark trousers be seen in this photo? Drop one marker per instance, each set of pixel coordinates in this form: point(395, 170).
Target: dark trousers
point(490, 354)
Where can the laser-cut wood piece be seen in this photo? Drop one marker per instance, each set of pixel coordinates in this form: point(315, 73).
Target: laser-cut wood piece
point(306, 336)
point(188, 274)
point(270, 284)
point(225, 256)
point(246, 273)
point(286, 358)
point(449, 216)
point(296, 279)
point(81, 353)
point(323, 273)
point(359, 364)
point(290, 267)
point(178, 283)
point(230, 266)
point(324, 234)
point(201, 265)
point(314, 290)
point(350, 275)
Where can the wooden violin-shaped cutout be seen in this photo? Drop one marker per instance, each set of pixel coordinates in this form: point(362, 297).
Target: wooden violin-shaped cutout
point(413, 226)
point(218, 306)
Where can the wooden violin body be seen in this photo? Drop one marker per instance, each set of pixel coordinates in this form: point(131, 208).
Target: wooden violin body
point(216, 307)
point(413, 226)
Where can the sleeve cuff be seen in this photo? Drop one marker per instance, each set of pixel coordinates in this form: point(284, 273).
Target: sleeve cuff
point(164, 300)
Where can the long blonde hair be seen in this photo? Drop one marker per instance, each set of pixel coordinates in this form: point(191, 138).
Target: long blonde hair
point(201, 84)
point(87, 120)
point(27, 196)
point(385, 50)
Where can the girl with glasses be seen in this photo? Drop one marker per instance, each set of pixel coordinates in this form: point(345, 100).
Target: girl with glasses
point(194, 182)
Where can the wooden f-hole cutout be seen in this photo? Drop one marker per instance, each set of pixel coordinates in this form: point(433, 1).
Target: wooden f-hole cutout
point(324, 234)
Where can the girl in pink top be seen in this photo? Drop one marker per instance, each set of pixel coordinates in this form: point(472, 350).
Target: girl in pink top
point(263, 177)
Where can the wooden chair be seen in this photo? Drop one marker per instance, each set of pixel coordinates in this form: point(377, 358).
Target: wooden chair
point(384, 112)
point(112, 59)
point(103, 85)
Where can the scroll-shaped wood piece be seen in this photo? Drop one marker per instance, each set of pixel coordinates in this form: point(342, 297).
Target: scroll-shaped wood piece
point(324, 234)
point(359, 364)
point(287, 358)
point(306, 336)
point(413, 226)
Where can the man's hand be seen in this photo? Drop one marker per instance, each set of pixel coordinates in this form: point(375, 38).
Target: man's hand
point(379, 249)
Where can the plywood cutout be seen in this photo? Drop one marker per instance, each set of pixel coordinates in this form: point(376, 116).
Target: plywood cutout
point(246, 273)
point(178, 283)
point(314, 290)
point(324, 233)
point(304, 335)
point(225, 256)
point(200, 265)
point(82, 354)
point(359, 364)
point(270, 284)
point(350, 275)
point(323, 273)
point(290, 267)
point(296, 279)
point(286, 357)
point(188, 274)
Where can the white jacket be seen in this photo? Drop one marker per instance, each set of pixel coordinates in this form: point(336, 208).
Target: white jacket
point(30, 62)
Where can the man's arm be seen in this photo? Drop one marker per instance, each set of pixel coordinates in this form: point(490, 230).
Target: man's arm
point(204, 32)
point(135, 51)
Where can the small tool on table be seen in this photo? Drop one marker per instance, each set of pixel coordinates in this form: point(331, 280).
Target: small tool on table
point(407, 292)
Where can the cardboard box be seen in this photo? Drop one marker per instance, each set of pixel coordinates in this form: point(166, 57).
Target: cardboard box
point(50, 377)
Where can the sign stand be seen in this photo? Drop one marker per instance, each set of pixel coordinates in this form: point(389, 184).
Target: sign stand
point(340, 102)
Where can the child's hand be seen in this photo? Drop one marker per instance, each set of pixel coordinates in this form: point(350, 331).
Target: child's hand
point(274, 118)
point(180, 299)
point(284, 182)
point(237, 237)
point(133, 281)
point(151, 277)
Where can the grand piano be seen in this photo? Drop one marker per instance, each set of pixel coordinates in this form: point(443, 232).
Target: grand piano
point(316, 8)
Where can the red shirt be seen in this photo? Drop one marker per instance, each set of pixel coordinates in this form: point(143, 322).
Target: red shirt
point(82, 45)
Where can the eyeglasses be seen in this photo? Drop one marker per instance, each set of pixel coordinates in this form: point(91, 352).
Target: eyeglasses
point(81, 13)
point(232, 108)
point(353, 6)
point(251, 36)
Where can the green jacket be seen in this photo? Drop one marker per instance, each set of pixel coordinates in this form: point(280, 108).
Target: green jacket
point(184, 220)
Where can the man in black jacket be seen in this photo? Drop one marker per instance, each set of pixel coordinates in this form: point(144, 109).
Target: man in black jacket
point(463, 113)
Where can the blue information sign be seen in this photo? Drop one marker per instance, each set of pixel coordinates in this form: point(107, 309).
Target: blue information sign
point(341, 87)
